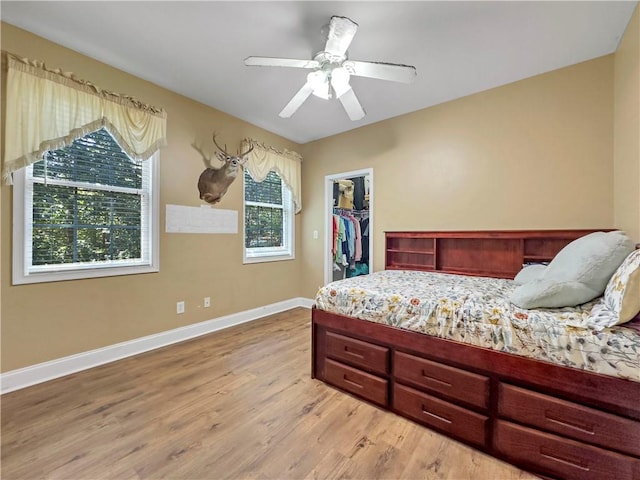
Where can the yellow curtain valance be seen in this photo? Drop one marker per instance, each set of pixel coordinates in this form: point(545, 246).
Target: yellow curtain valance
point(264, 159)
point(49, 109)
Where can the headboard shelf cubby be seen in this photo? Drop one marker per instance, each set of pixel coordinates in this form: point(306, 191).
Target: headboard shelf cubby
point(490, 253)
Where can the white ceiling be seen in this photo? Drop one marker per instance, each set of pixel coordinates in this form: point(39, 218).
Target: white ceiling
point(197, 49)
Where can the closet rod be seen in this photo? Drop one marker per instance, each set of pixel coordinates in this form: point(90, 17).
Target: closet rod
point(346, 211)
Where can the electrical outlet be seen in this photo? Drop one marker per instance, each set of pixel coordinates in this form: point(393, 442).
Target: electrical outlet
point(315, 234)
point(207, 302)
point(180, 307)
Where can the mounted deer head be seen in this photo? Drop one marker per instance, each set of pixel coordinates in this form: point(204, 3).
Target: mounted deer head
point(214, 182)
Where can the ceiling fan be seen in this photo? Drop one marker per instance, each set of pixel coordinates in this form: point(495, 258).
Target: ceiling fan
point(331, 70)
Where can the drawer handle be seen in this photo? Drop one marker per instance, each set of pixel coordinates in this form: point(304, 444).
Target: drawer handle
point(351, 382)
point(433, 379)
point(353, 353)
point(587, 428)
point(552, 455)
point(438, 417)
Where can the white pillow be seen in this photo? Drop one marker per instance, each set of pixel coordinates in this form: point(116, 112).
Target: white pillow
point(578, 273)
point(529, 273)
point(621, 301)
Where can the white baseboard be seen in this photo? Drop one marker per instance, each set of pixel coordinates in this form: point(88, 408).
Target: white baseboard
point(42, 372)
point(305, 302)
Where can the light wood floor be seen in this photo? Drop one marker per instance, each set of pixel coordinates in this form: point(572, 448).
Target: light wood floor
point(236, 404)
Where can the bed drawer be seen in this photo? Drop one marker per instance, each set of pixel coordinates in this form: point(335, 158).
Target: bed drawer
point(562, 457)
point(356, 381)
point(441, 415)
point(569, 419)
point(358, 353)
point(453, 382)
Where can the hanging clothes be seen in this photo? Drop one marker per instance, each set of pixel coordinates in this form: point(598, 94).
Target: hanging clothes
point(364, 227)
point(348, 244)
point(336, 233)
point(358, 239)
point(339, 239)
point(351, 237)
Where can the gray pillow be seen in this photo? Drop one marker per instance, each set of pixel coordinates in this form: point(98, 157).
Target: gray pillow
point(529, 273)
point(578, 273)
point(551, 294)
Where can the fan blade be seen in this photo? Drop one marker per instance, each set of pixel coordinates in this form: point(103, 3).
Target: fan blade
point(297, 100)
point(352, 105)
point(341, 32)
point(280, 62)
point(383, 71)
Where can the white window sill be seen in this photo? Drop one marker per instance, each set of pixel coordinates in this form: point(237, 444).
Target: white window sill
point(267, 258)
point(78, 274)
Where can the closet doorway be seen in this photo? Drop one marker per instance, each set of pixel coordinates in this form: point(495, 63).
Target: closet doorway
point(348, 199)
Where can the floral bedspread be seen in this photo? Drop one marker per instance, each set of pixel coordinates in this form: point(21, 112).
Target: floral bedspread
point(477, 311)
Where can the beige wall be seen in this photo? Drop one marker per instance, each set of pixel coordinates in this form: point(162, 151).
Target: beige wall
point(47, 321)
point(627, 130)
point(532, 154)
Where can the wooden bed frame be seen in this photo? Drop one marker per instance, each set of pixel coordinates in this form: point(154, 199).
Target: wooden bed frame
point(549, 419)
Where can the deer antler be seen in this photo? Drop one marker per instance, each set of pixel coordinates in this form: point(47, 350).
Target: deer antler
point(224, 150)
point(245, 153)
point(227, 154)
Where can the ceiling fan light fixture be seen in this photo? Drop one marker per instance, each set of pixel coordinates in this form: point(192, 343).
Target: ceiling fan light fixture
point(317, 80)
point(340, 81)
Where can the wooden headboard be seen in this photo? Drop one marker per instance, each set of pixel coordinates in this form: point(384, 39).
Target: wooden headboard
point(488, 253)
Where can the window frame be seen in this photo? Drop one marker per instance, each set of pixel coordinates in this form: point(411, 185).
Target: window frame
point(270, 254)
point(21, 271)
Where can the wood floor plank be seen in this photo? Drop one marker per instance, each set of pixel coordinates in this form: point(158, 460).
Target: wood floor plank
point(236, 404)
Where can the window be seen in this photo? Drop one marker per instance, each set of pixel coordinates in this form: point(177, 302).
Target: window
point(85, 210)
point(268, 220)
